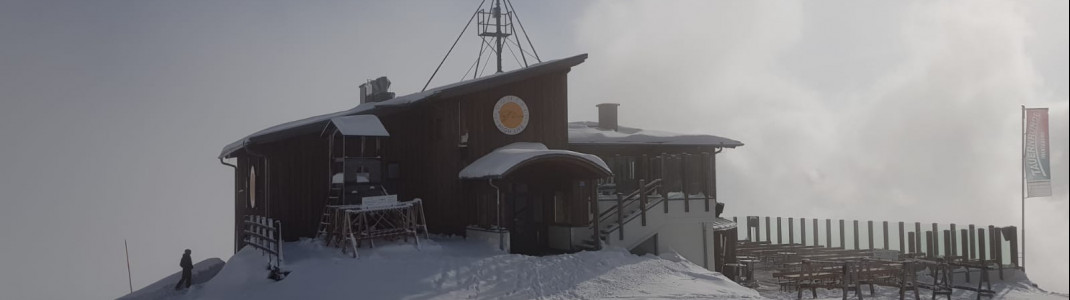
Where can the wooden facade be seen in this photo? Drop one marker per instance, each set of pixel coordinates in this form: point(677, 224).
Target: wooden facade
point(287, 172)
point(284, 172)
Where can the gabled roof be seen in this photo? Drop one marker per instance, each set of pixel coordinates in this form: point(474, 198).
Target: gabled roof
point(589, 133)
point(317, 123)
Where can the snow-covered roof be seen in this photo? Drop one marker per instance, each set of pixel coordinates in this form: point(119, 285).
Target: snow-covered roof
point(589, 133)
point(719, 224)
point(312, 124)
point(504, 160)
point(360, 125)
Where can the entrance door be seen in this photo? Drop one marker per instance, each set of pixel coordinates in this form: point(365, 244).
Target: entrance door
point(528, 234)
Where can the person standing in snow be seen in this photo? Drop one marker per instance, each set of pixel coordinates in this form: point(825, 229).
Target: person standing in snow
point(187, 270)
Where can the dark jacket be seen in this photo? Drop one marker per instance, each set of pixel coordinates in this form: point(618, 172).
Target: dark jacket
point(186, 263)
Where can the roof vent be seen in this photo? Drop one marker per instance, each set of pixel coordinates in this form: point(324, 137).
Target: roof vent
point(607, 116)
point(375, 90)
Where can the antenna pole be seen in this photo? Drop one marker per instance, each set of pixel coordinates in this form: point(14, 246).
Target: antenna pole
point(498, 30)
point(129, 279)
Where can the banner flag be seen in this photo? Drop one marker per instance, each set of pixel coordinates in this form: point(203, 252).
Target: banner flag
point(1035, 160)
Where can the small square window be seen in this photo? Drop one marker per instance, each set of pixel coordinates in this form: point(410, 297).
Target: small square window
point(393, 171)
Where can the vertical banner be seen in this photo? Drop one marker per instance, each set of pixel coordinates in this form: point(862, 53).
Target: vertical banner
point(1036, 162)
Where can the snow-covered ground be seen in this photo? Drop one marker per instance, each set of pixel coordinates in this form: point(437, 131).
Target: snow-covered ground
point(451, 268)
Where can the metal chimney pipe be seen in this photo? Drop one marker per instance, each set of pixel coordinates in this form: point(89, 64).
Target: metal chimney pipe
point(607, 116)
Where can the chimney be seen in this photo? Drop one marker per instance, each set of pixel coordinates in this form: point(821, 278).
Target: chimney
point(375, 90)
point(607, 116)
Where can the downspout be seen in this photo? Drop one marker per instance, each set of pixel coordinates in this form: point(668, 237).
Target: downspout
point(228, 164)
point(498, 213)
point(236, 238)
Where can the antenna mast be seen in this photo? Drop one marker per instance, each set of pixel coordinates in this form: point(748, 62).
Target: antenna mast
point(498, 30)
point(497, 24)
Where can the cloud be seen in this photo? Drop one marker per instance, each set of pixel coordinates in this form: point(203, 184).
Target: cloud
point(905, 113)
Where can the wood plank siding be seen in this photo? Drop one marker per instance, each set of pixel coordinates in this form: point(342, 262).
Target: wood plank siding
point(292, 177)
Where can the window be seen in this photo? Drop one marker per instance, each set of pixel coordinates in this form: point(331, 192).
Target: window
point(252, 187)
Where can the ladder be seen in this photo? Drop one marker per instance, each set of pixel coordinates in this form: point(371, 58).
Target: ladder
point(327, 221)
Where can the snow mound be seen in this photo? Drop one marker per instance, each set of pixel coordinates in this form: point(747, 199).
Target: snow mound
point(459, 269)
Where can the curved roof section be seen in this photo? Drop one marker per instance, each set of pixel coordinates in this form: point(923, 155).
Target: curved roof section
point(317, 123)
point(505, 160)
point(589, 133)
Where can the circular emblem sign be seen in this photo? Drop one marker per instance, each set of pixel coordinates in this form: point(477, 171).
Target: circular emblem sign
point(511, 115)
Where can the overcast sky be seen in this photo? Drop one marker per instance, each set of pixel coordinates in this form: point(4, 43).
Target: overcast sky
point(112, 112)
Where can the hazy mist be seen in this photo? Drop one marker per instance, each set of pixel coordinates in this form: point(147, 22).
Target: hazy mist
point(112, 112)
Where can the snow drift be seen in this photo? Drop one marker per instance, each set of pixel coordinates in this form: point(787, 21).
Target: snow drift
point(459, 269)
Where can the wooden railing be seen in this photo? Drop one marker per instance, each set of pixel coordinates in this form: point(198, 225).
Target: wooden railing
point(265, 234)
point(616, 213)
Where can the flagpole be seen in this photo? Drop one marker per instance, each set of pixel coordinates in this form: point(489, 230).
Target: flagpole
point(1022, 165)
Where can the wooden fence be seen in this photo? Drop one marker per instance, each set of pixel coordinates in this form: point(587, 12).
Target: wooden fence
point(931, 240)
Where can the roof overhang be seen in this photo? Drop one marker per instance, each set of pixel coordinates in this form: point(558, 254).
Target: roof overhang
point(359, 125)
point(503, 161)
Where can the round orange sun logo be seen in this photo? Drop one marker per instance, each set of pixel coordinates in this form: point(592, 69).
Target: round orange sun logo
point(511, 115)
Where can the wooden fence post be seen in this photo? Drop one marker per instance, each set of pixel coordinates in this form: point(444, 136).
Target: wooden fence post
point(642, 201)
point(917, 228)
point(815, 232)
point(706, 169)
point(828, 233)
point(1012, 237)
point(869, 224)
point(947, 241)
point(930, 237)
point(885, 236)
point(913, 244)
point(778, 235)
point(936, 241)
point(767, 236)
point(994, 244)
point(747, 226)
point(902, 246)
point(597, 221)
point(954, 242)
point(683, 181)
point(843, 240)
point(665, 184)
point(973, 248)
point(965, 235)
point(856, 234)
point(791, 231)
point(620, 215)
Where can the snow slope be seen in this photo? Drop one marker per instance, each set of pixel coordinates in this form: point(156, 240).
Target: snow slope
point(163, 288)
point(459, 269)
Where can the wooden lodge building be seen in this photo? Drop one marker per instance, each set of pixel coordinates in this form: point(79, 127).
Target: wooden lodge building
point(492, 153)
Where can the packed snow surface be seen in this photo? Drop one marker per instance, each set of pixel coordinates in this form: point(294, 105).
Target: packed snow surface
point(460, 269)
